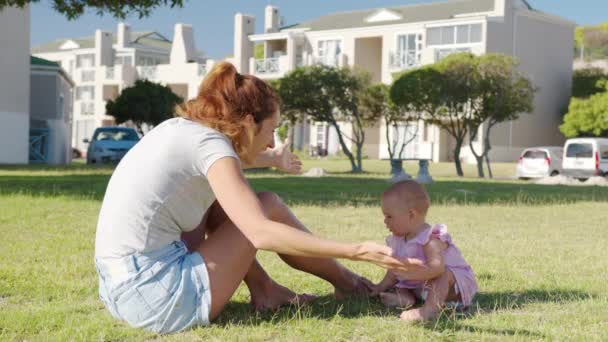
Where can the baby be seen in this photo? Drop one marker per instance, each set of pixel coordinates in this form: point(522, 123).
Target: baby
point(446, 278)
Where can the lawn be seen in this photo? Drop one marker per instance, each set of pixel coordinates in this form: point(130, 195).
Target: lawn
point(538, 251)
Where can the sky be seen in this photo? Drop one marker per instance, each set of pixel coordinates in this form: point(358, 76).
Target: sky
point(213, 21)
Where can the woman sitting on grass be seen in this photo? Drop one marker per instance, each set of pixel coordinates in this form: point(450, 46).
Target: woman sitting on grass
point(180, 225)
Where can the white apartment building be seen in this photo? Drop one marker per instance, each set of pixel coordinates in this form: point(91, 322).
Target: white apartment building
point(14, 85)
point(104, 64)
point(385, 41)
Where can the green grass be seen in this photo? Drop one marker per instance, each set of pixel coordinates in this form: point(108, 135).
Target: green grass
point(539, 253)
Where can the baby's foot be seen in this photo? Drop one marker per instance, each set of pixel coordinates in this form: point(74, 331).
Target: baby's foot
point(418, 315)
point(394, 300)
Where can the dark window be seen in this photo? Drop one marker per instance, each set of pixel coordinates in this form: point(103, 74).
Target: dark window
point(535, 154)
point(579, 151)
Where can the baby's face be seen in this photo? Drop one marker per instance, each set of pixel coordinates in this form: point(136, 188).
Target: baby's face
point(397, 217)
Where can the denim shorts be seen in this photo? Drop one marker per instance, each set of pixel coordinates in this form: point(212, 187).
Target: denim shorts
point(163, 291)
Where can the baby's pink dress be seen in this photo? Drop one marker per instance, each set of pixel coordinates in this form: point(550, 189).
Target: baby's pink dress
point(466, 285)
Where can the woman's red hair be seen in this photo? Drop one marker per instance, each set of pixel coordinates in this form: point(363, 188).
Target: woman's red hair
point(224, 98)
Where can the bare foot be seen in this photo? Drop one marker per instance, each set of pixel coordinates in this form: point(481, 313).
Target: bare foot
point(394, 300)
point(275, 296)
point(418, 315)
point(357, 286)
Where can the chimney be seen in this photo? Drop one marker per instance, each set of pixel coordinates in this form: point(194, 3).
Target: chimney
point(244, 25)
point(271, 19)
point(182, 48)
point(124, 35)
point(103, 48)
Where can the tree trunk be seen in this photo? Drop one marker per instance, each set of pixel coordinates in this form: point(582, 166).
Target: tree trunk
point(487, 148)
point(457, 162)
point(478, 158)
point(359, 157)
point(396, 167)
point(345, 149)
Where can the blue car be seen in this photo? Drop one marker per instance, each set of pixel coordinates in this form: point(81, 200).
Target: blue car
point(110, 144)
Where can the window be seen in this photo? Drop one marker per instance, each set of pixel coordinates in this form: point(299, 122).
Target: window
point(116, 135)
point(408, 51)
point(579, 151)
point(460, 34)
point(443, 53)
point(535, 154)
point(85, 61)
point(329, 50)
point(604, 151)
point(85, 93)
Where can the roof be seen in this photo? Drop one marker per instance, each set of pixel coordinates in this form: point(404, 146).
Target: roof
point(43, 62)
point(38, 64)
point(146, 39)
point(409, 14)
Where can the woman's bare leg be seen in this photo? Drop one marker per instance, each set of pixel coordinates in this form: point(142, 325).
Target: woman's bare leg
point(228, 256)
point(345, 281)
point(441, 289)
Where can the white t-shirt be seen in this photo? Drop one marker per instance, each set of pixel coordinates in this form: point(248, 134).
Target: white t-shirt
point(159, 189)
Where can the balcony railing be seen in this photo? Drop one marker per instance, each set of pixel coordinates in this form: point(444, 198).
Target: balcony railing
point(87, 75)
point(443, 53)
point(404, 60)
point(328, 60)
point(87, 108)
point(148, 72)
point(267, 66)
point(110, 73)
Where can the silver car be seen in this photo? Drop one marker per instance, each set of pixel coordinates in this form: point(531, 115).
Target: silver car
point(110, 144)
point(538, 162)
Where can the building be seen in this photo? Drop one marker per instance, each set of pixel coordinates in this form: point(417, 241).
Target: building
point(50, 113)
point(384, 41)
point(104, 64)
point(14, 85)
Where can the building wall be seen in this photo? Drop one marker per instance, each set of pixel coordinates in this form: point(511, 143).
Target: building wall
point(544, 49)
point(14, 85)
point(50, 104)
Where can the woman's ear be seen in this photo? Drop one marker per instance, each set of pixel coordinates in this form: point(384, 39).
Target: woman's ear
point(250, 121)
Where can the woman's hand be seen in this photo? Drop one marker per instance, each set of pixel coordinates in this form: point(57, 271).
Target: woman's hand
point(381, 255)
point(284, 159)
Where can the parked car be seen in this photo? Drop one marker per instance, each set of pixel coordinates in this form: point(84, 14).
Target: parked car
point(586, 157)
point(110, 144)
point(538, 162)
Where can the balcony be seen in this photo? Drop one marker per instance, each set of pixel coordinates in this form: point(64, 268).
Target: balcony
point(270, 68)
point(147, 72)
point(87, 75)
point(267, 66)
point(404, 60)
point(110, 73)
point(87, 108)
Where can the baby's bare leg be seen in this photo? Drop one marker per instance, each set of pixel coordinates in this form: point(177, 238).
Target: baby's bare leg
point(402, 298)
point(440, 290)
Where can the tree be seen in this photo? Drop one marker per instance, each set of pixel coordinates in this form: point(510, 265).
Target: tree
point(332, 95)
point(376, 99)
point(587, 117)
point(73, 9)
point(588, 81)
point(504, 93)
point(145, 102)
point(459, 90)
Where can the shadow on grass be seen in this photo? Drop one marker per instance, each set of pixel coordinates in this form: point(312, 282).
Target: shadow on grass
point(327, 308)
point(337, 191)
point(486, 302)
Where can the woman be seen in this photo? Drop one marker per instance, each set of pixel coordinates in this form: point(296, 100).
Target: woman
point(179, 225)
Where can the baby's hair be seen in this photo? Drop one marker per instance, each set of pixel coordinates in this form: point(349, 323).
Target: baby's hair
point(411, 194)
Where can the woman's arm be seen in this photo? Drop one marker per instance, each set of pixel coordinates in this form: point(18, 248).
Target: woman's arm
point(280, 157)
point(244, 209)
point(434, 265)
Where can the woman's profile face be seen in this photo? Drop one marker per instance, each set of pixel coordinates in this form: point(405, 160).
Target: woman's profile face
point(264, 136)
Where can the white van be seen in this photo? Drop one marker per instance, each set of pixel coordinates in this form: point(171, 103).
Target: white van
point(585, 157)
